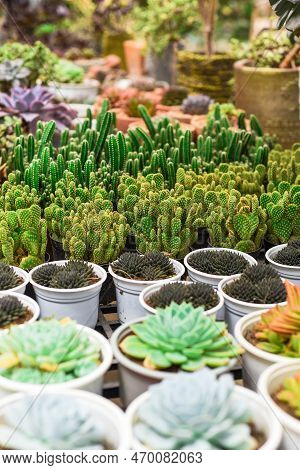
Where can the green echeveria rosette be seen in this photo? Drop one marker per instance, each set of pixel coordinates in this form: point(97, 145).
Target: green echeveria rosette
point(180, 336)
point(194, 411)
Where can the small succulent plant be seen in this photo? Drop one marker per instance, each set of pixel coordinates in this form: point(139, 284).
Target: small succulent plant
point(11, 311)
point(196, 104)
point(12, 73)
point(8, 277)
point(48, 351)
point(288, 12)
point(72, 275)
point(259, 284)
point(174, 96)
point(180, 336)
point(50, 422)
point(290, 255)
point(197, 411)
point(132, 107)
point(290, 394)
point(195, 293)
point(278, 332)
point(149, 267)
point(219, 263)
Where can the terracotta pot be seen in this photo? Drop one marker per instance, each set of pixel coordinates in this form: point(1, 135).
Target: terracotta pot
point(173, 112)
point(124, 121)
point(134, 57)
point(199, 122)
point(272, 94)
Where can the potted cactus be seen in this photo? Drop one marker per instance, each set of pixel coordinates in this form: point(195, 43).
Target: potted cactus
point(211, 265)
point(17, 309)
point(70, 419)
point(279, 384)
point(133, 272)
point(258, 287)
point(12, 279)
point(69, 288)
point(285, 259)
point(59, 354)
point(196, 293)
point(269, 336)
point(178, 337)
point(231, 417)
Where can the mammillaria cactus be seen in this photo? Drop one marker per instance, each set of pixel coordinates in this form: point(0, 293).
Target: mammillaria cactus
point(196, 104)
point(12, 311)
point(150, 267)
point(219, 263)
point(290, 255)
point(72, 275)
point(289, 394)
point(197, 411)
point(259, 284)
point(51, 422)
point(195, 293)
point(48, 351)
point(16, 196)
point(180, 336)
point(8, 277)
point(278, 332)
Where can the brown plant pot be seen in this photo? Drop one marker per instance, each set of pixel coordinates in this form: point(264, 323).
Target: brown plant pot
point(124, 121)
point(272, 94)
point(134, 57)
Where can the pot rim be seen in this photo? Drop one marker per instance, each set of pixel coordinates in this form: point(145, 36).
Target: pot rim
point(98, 269)
point(30, 303)
point(217, 277)
point(244, 64)
point(177, 265)
point(125, 361)
point(86, 83)
point(227, 297)
point(21, 273)
point(275, 430)
point(155, 287)
point(12, 386)
point(273, 251)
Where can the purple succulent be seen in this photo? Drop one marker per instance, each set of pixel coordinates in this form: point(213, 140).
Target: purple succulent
point(35, 104)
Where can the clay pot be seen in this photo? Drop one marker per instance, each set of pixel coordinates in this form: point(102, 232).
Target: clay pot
point(134, 57)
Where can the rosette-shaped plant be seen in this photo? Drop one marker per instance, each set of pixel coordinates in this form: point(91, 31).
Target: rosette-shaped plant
point(8, 278)
point(196, 104)
point(290, 394)
point(181, 336)
point(195, 293)
point(72, 275)
point(48, 351)
point(11, 311)
point(278, 332)
point(196, 411)
point(220, 263)
point(150, 267)
point(50, 422)
point(289, 14)
point(289, 255)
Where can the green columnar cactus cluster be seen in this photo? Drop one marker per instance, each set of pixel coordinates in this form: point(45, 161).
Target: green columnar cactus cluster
point(283, 209)
point(23, 237)
point(283, 165)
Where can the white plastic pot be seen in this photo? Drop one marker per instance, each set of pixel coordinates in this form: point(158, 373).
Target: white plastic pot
point(20, 289)
point(85, 92)
point(128, 291)
point(263, 417)
point(82, 304)
point(134, 378)
point(104, 411)
point(91, 382)
point(291, 273)
point(212, 279)
point(149, 291)
point(254, 360)
point(27, 302)
point(236, 309)
point(268, 384)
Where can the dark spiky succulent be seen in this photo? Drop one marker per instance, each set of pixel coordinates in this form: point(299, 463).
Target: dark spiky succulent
point(195, 293)
point(220, 263)
point(289, 14)
point(11, 310)
point(259, 284)
point(196, 104)
point(290, 255)
point(72, 275)
point(8, 278)
point(148, 267)
point(174, 96)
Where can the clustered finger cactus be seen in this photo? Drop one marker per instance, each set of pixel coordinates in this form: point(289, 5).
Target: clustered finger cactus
point(289, 394)
point(289, 255)
point(51, 422)
point(283, 165)
point(48, 351)
point(12, 311)
point(8, 277)
point(197, 411)
point(150, 267)
point(218, 263)
point(72, 275)
point(194, 293)
point(180, 336)
point(278, 331)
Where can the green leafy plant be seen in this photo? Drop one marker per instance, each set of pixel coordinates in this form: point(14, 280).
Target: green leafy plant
point(67, 72)
point(196, 294)
point(72, 275)
point(180, 336)
point(11, 311)
point(48, 351)
point(8, 277)
point(220, 263)
point(289, 255)
point(150, 267)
